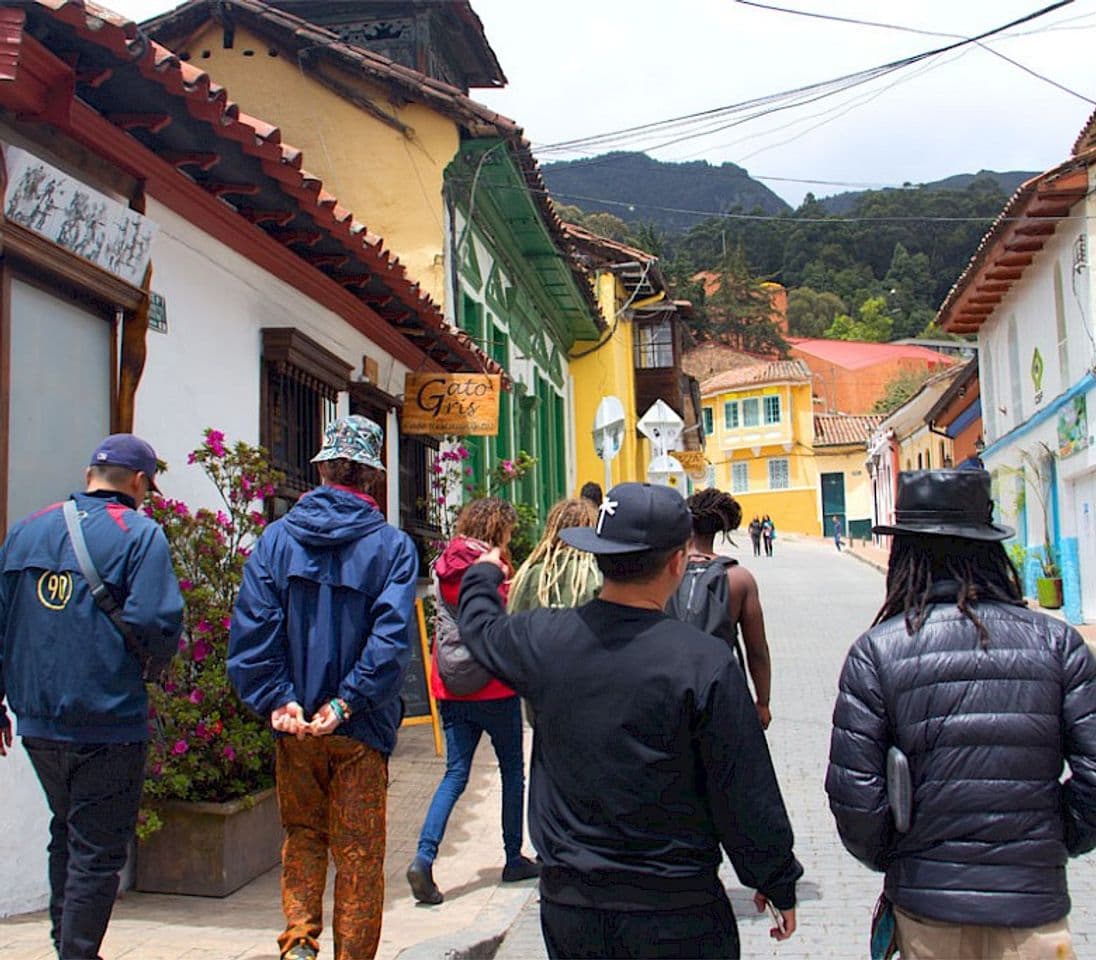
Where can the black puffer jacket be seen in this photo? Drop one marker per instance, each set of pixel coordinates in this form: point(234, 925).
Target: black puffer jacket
point(986, 731)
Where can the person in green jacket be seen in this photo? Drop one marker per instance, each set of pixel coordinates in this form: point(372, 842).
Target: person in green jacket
point(556, 575)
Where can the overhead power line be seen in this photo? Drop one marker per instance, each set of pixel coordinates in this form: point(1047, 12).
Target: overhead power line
point(707, 122)
point(931, 33)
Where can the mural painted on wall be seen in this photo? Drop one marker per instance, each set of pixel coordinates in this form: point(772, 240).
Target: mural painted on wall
point(73, 215)
point(1073, 435)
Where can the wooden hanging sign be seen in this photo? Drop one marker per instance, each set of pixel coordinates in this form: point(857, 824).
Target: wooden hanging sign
point(448, 404)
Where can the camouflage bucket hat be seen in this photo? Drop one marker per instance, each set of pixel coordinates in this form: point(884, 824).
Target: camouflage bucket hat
point(352, 438)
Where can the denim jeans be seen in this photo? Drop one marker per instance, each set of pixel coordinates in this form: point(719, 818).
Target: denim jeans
point(93, 790)
point(465, 721)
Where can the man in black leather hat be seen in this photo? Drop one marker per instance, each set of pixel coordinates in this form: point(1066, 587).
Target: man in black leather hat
point(985, 700)
point(648, 753)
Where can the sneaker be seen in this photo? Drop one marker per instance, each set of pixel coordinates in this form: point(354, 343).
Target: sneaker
point(421, 877)
point(300, 951)
point(521, 869)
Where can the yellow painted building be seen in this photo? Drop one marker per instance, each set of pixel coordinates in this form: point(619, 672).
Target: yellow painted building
point(637, 361)
point(759, 422)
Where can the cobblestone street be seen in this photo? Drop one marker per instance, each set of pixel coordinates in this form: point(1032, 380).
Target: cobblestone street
point(815, 603)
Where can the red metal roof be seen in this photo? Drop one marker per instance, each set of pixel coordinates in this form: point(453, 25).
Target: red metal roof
point(838, 429)
point(105, 47)
point(776, 371)
point(856, 354)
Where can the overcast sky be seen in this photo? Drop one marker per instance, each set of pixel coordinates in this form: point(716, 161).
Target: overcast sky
point(583, 67)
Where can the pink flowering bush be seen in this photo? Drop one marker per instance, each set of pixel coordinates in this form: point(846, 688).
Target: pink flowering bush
point(453, 482)
point(204, 744)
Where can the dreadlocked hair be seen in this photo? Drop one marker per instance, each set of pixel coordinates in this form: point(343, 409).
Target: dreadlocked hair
point(556, 558)
point(487, 519)
point(982, 570)
point(714, 512)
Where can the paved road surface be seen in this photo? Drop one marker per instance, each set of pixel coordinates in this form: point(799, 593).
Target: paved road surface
point(816, 601)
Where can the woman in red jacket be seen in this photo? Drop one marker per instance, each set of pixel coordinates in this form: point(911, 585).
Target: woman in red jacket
point(494, 709)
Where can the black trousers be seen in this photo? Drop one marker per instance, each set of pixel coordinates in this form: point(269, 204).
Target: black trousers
point(94, 791)
point(707, 932)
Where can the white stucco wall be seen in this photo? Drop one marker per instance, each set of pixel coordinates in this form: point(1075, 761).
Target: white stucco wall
point(205, 371)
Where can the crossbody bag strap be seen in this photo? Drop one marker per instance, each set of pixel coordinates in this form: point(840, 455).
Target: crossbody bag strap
point(104, 599)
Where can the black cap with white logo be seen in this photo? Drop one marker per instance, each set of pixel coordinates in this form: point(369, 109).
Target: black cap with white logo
point(633, 518)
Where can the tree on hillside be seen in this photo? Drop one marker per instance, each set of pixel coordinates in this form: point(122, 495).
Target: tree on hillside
point(872, 323)
point(899, 390)
point(603, 224)
point(810, 313)
point(739, 312)
point(909, 283)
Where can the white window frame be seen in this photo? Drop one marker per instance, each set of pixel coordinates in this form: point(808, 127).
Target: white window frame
point(727, 406)
point(772, 463)
point(740, 477)
point(754, 404)
point(765, 401)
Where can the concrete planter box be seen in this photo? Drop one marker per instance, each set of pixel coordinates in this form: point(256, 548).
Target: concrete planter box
point(210, 849)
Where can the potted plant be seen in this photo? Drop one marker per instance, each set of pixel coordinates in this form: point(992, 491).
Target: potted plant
point(209, 821)
point(1038, 475)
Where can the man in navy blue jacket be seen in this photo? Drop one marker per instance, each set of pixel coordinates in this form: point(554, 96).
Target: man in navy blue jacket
point(319, 644)
point(74, 683)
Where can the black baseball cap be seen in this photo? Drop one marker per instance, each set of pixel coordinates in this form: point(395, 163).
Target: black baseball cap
point(634, 518)
point(129, 451)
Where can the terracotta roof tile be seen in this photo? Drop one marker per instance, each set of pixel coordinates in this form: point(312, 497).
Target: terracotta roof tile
point(836, 429)
point(302, 35)
point(208, 101)
point(775, 371)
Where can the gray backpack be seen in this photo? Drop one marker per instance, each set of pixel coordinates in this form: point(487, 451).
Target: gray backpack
point(460, 671)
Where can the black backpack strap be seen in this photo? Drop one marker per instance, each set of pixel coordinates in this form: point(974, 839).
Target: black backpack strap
point(104, 599)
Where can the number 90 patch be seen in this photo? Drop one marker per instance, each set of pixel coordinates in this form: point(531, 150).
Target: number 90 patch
point(54, 590)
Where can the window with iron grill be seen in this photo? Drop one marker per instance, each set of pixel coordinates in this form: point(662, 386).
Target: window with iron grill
point(301, 384)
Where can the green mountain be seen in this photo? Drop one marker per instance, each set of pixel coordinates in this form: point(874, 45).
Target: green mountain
point(677, 195)
point(1007, 182)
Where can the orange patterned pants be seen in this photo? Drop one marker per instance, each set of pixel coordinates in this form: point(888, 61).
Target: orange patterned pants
point(331, 793)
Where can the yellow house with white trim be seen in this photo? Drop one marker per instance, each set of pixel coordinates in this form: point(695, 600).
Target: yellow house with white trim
point(639, 359)
point(759, 422)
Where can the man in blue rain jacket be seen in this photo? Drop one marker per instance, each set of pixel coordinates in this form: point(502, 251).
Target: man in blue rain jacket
point(319, 644)
point(75, 684)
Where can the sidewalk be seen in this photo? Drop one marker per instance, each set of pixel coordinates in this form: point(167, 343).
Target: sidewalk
point(243, 926)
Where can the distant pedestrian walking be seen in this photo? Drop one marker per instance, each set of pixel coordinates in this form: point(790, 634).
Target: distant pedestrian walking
point(648, 755)
point(319, 644)
point(755, 536)
point(72, 666)
point(488, 706)
point(768, 534)
point(838, 529)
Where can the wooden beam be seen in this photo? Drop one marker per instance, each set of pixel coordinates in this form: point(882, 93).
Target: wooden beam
point(191, 158)
point(1014, 260)
point(986, 298)
point(1004, 274)
point(1072, 184)
point(1024, 245)
point(94, 77)
point(975, 310)
point(226, 189)
point(152, 122)
point(329, 259)
point(993, 287)
point(280, 217)
point(1036, 229)
point(307, 237)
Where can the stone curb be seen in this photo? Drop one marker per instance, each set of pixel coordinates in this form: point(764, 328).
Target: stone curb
point(481, 939)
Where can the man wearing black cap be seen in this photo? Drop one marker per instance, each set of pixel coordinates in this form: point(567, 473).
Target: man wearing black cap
point(72, 673)
point(978, 702)
point(648, 753)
